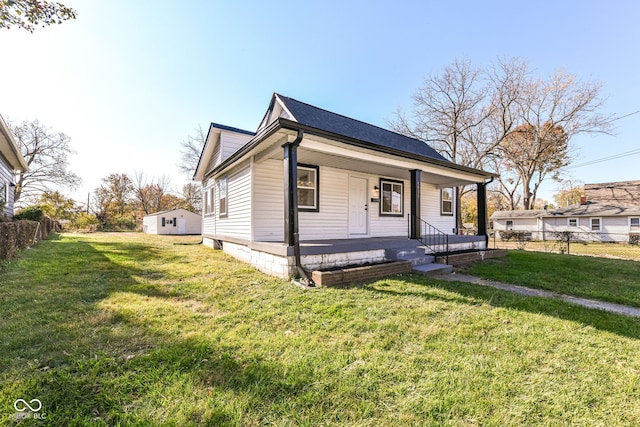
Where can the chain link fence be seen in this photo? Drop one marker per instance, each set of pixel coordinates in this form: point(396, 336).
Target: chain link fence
point(610, 245)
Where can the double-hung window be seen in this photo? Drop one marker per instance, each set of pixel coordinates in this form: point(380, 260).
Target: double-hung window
point(222, 196)
point(596, 224)
point(634, 224)
point(308, 195)
point(391, 197)
point(446, 201)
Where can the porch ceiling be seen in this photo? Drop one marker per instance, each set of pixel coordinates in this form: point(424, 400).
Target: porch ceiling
point(324, 152)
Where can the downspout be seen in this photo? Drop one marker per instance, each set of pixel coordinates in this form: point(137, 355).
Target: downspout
point(293, 210)
point(485, 218)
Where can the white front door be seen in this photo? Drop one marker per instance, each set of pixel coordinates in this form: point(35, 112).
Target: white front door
point(182, 226)
point(358, 205)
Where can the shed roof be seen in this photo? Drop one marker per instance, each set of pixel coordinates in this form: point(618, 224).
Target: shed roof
point(529, 213)
point(171, 210)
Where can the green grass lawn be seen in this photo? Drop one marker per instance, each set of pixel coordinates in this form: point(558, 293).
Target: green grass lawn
point(605, 279)
point(129, 329)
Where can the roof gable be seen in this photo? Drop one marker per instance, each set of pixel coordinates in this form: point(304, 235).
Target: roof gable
point(212, 150)
point(321, 119)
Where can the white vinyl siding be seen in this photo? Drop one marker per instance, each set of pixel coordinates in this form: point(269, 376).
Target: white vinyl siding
point(331, 222)
point(237, 222)
point(431, 209)
point(268, 217)
point(6, 177)
point(232, 142)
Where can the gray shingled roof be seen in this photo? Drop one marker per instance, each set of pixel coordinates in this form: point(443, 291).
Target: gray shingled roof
point(531, 213)
point(596, 209)
point(324, 120)
point(590, 209)
point(232, 129)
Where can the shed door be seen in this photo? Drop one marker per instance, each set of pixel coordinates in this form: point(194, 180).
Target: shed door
point(182, 226)
point(358, 205)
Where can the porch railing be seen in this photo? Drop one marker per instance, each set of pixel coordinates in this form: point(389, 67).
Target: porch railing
point(436, 241)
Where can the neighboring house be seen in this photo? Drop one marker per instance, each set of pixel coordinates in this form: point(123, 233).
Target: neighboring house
point(11, 161)
point(176, 221)
point(608, 212)
point(313, 189)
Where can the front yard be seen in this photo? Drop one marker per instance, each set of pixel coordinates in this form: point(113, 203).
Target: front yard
point(130, 329)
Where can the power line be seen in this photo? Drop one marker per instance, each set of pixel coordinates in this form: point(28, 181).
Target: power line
point(626, 115)
point(605, 159)
point(612, 157)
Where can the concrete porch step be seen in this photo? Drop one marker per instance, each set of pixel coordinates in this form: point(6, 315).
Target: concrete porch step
point(431, 269)
point(415, 255)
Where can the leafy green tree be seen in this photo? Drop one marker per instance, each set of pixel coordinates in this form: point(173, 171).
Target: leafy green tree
point(57, 206)
point(28, 14)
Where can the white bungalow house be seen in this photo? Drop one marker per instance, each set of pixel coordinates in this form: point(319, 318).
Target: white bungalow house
point(608, 212)
point(11, 160)
point(176, 221)
point(313, 189)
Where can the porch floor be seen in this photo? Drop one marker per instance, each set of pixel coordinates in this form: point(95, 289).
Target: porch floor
point(334, 246)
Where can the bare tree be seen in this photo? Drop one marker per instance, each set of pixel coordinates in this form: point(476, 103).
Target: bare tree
point(503, 119)
point(45, 153)
point(448, 113)
point(192, 194)
point(550, 113)
point(151, 195)
point(191, 148)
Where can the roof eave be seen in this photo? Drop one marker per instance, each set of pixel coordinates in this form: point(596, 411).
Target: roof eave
point(282, 123)
point(17, 162)
point(288, 124)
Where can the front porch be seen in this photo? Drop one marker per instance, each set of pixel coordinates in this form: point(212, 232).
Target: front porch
point(278, 258)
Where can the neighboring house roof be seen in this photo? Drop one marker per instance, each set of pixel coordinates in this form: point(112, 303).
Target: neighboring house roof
point(9, 148)
point(596, 209)
point(321, 119)
point(589, 209)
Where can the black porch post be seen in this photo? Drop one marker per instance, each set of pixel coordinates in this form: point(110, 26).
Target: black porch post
point(291, 192)
point(482, 211)
point(414, 225)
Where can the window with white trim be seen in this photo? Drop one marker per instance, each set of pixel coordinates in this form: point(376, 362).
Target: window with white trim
point(509, 225)
point(572, 222)
point(446, 201)
point(634, 224)
point(222, 196)
point(391, 198)
point(308, 194)
point(596, 224)
point(205, 202)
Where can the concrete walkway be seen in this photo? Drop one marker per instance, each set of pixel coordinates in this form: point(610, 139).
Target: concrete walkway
point(522, 290)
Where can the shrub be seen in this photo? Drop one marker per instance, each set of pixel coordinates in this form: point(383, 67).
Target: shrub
point(32, 213)
point(84, 221)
